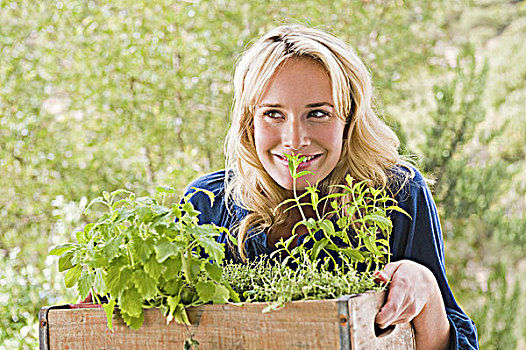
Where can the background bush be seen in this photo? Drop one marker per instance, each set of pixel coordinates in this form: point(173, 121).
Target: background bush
point(100, 95)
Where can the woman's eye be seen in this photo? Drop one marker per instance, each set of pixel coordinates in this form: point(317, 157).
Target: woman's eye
point(318, 114)
point(272, 114)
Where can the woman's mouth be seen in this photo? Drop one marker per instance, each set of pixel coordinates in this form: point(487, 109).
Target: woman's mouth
point(309, 159)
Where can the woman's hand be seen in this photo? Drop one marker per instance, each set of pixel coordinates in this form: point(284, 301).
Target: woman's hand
point(414, 295)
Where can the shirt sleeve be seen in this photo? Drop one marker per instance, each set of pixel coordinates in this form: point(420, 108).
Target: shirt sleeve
point(419, 239)
point(223, 215)
point(212, 211)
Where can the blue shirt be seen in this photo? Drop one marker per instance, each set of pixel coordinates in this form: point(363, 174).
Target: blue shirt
point(418, 238)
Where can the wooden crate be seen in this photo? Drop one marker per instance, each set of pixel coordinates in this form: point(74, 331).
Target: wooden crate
point(345, 323)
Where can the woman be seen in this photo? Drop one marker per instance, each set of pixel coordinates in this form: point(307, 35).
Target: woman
point(301, 91)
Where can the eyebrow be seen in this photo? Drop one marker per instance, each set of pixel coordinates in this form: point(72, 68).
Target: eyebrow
point(310, 105)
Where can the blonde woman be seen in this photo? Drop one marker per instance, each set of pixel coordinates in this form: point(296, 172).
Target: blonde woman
point(300, 90)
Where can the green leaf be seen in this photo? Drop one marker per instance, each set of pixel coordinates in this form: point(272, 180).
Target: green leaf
point(317, 247)
point(290, 200)
point(98, 282)
point(144, 213)
point(159, 210)
point(106, 196)
point(119, 191)
point(207, 192)
point(188, 295)
point(292, 168)
point(328, 227)
point(398, 209)
point(191, 344)
point(177, 211)
point(130, 302)
point(333, 195)
point(189, 209)
point(133, 322)
point(383, 242)
point(354, 254)
point(302, 173)
point(195, 268)
point(108, 309)
point(153, 268)
point(221, 294)
point(172, 266)
point(143, 248)
point(145, 284)
point(342, 222)
point(208, 291)
point(165, 249)
point(232, 239)
point(61, 248)
point(381, 220)
point(85, 282)
point(117, 280)
point(181, 316)
point(165, 189)
point(121, 215)
point(111, 248)
point(370, 244)
point(87, 230)
point(214, 271)
point(98, 259)
point(72, 276)
point(172, 286)
point(233, 294)
point(81, 237)
point(96, 200)
point(173, 304)
point(64, 262)
point(215, 250)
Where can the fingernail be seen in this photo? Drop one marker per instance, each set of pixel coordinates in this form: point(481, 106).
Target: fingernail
point(380, 277)
point(384, 325)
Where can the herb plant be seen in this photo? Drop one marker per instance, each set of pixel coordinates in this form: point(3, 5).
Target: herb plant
point(136, 256)
point(362, 230)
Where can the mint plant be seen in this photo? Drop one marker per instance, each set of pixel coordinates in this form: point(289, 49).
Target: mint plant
point(136, 256)
point(363, 225)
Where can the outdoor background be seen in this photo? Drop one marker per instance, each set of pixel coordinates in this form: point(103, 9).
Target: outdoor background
point(101, 95)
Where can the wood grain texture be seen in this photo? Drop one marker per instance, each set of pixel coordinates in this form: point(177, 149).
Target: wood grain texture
point(298, 325)
point(363, 310)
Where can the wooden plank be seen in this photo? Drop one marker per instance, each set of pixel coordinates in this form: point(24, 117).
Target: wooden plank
point(298, 325)
point(363, 310)
point(345, 323)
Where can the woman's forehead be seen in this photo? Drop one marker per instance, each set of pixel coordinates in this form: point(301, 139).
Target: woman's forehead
point(298, 79)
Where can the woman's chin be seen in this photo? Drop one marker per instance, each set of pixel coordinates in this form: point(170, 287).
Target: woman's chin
point(301, 184)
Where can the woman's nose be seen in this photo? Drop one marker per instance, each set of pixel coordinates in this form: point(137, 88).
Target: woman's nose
point(295, 134)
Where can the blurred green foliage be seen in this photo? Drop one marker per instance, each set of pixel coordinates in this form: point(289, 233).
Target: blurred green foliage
point(100, 95)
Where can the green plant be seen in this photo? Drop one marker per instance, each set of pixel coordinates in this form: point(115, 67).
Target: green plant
point(136, 256)
point(363, 225)
point(278, 284)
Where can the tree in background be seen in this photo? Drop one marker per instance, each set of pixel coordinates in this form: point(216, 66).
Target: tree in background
point(471, 183)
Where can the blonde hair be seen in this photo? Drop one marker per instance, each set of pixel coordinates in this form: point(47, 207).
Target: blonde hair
point(370, 147)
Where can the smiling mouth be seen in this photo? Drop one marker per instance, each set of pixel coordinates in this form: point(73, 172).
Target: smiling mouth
point(305, 163)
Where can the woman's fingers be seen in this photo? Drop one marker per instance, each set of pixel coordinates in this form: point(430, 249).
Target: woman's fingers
point(407, 293)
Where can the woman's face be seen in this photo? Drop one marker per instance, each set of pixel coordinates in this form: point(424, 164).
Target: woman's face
point(296, 114)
